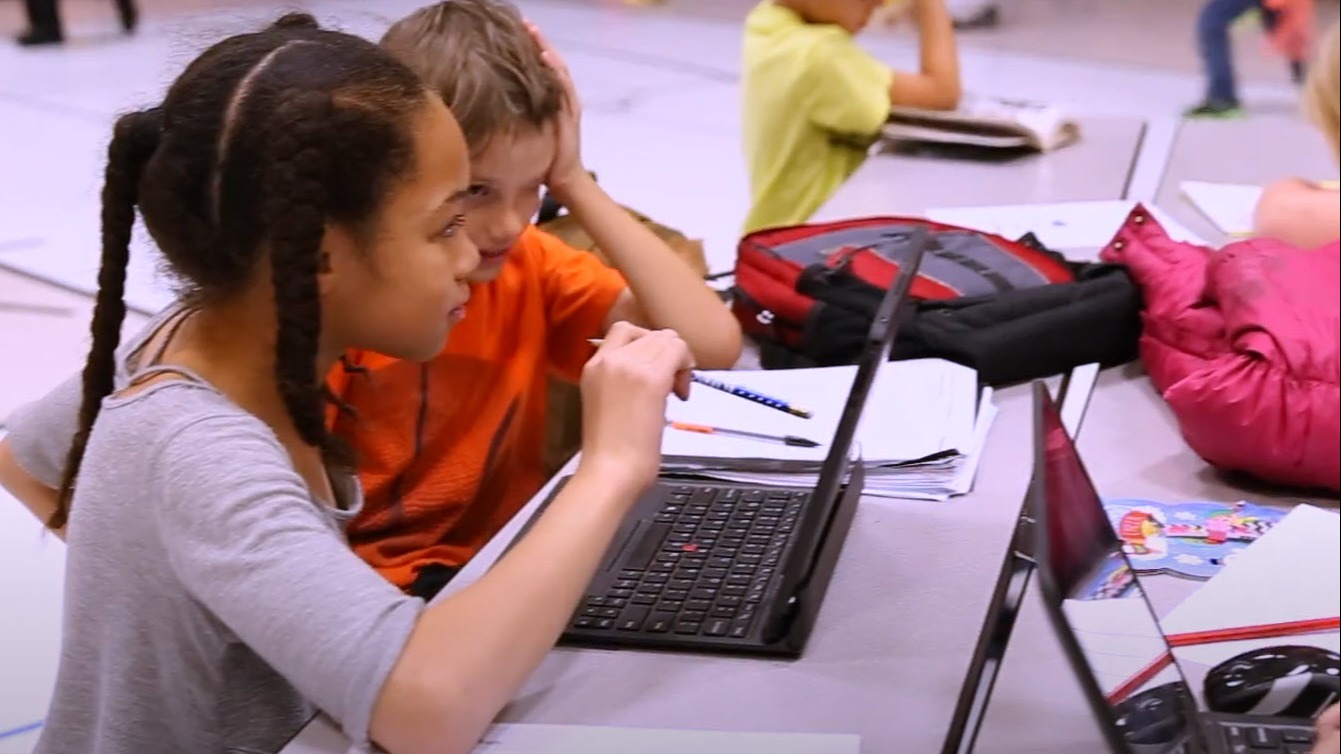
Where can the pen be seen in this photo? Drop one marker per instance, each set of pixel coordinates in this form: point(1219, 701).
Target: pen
point(741, 392)
point(795, 442)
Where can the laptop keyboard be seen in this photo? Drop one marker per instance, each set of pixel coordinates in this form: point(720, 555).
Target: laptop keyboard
point(1267, 739)
point(702, 565)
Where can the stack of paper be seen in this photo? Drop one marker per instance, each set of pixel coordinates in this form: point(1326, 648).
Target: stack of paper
point(921, 434)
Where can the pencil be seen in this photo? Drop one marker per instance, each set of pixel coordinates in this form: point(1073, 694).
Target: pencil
point(742, 392)
point(792, 440)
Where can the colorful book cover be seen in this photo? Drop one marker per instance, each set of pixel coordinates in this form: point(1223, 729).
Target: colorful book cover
point(1193, 540)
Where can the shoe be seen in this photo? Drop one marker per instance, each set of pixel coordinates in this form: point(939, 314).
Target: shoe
point(984, 18)
point(35, 37)
point(1210, 109)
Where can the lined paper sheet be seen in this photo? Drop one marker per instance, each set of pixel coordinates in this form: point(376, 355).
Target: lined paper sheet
point(1119, 637)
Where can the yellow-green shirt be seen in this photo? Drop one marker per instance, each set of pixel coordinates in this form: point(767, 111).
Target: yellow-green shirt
point(813, 101)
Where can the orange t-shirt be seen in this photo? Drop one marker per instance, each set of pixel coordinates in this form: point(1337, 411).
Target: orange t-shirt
point(451, 449)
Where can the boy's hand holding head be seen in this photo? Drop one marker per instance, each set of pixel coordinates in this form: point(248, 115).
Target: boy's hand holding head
point(566, 167)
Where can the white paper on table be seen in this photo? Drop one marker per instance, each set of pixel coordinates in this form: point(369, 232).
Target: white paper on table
point(322, 737)
point(1059, 226)
point(579, 739)
point(1292, 573)
point(1119, 638)
point(915, 409)
point(1229, 206)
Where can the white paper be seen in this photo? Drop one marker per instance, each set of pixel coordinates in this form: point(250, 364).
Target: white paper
point(914, 409)
point(575, 739)
point(1119, 638)
point(1061, 226)
point(1292, 573)
point(1229, 206)
point(322, 737)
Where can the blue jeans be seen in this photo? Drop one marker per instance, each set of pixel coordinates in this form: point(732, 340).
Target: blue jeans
point(1213, 42)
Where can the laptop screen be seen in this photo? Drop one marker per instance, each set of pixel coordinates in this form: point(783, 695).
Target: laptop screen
point(1104, 620)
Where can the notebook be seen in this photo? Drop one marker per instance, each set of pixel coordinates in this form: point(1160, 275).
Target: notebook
point(989, 122)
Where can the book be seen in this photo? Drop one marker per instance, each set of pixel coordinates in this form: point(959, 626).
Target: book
point(990, 122)
point(1192, 539)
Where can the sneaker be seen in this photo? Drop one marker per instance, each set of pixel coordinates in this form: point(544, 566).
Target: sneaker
point(37, 37)
point(1222, 110)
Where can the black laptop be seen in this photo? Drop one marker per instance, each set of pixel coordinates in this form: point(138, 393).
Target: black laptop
point(1063, 533)
point(708, 566)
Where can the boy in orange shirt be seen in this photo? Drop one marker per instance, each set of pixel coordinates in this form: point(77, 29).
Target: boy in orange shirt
point(450, 450)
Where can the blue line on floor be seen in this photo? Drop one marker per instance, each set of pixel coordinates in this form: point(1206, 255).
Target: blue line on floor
point(30, 727)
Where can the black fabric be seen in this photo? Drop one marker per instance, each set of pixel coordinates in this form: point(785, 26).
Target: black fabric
point(1007, 337)
point(430, 580)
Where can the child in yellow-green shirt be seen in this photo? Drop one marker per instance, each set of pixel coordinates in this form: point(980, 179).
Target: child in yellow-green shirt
point(813, 100)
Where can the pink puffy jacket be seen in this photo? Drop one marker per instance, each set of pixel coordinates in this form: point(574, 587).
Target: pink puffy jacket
point(1245, 346)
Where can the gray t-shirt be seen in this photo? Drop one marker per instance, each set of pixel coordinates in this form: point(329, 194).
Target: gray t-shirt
point(211, 603)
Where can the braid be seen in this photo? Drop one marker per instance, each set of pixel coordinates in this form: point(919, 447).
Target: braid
point(295, 214)
point(134, 141)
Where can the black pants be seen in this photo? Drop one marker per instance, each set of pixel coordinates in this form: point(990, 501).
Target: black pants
point(44, 15)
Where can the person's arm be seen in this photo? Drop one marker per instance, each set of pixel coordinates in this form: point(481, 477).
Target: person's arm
point(259, 556)
point(663, 292)
point(1300, 213)
point(35, 496)
point(472, 650)
point(936, 84)
point(33, 451)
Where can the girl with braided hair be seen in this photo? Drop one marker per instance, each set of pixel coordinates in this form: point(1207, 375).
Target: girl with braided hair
point(307, 191)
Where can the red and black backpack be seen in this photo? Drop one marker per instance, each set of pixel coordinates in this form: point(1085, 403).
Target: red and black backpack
point(1013, 310)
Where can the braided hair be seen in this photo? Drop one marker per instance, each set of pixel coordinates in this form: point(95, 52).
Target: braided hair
point(261, 142)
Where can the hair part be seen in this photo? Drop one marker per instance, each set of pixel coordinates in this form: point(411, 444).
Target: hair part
point(480, 57)
point(1322, 91)
point(261, 142)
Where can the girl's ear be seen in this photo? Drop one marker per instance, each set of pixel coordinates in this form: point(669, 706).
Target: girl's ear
point(339, 259)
